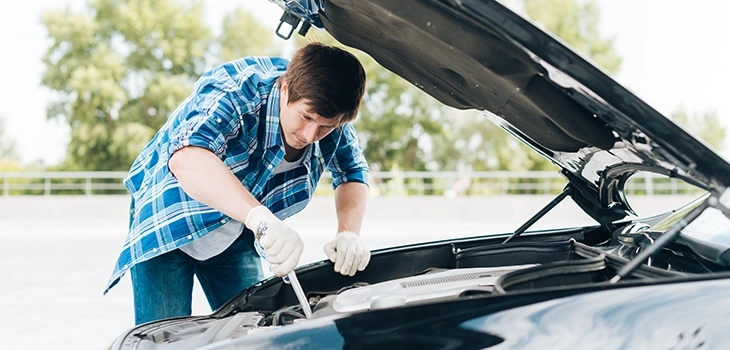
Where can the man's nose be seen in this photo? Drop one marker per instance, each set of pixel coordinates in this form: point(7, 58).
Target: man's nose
point(310, 132)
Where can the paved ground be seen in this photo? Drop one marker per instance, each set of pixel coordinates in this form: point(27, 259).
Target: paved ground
point(56, 255)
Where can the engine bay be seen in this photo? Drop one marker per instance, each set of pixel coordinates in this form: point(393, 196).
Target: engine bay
point(426, 274)
point(429, 286)
point(478, 271)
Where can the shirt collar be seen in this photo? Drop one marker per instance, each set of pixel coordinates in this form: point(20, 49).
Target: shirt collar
point(273, 129)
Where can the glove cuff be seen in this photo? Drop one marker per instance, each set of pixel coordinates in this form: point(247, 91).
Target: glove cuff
point(254, 218)
point(347, 233)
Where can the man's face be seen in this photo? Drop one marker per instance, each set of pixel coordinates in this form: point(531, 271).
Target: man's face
point(299, 125)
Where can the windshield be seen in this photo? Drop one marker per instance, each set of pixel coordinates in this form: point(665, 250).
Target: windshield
point(711, 227)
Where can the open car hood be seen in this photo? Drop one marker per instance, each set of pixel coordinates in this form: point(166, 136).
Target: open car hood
point(478, 54)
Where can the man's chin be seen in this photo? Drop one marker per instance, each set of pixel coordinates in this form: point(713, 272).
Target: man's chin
point(301, 144)
point(296, 144)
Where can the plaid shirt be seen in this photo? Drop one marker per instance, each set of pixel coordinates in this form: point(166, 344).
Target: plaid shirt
point(234, 112)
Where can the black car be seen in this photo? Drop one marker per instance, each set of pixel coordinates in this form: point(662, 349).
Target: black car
point(659, 282)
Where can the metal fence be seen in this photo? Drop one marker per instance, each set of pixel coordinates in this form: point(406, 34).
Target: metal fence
point(382, 183)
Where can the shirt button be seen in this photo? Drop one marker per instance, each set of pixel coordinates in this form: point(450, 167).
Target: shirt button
point(270, 166)
point(219, 120)
point(154, 250)
point(223, 221)
point(190, 236)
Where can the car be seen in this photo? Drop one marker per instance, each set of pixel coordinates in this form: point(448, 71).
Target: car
point(626, 282)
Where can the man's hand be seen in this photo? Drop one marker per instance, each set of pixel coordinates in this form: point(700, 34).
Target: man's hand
point(348, 252)
point(281, 243)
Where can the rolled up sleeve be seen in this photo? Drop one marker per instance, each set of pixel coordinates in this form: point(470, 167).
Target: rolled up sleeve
point(348, 163)
point(211, 116)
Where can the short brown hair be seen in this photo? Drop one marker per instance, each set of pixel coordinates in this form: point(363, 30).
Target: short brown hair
point(331, 78)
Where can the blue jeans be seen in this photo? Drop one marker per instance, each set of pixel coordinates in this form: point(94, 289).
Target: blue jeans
point(163, 285)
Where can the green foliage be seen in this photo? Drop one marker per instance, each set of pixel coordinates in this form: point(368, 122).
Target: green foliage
point(706, 126)
point(9, 166)
point(120, 68)
point(396, 121)
point(242, 35)
point(8, 154)
point(473, 143)
point(576, 22)
point(118, 71)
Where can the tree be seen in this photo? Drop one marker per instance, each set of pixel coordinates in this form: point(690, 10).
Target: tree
point(122, 67)
point(576, 22)
point(242, 35)
point(118, 71)
point(706, 126)
point(472, 143)
point(397, 121)
point(7, 145)
point(8, 154)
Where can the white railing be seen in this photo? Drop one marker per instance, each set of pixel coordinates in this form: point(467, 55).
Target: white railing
point(62, 182)
point(384, 183)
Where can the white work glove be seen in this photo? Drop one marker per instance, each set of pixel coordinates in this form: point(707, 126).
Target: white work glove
point(281, 243)
point(348, 252)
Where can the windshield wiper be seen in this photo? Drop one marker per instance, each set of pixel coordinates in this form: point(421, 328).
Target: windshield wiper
point(664, 239)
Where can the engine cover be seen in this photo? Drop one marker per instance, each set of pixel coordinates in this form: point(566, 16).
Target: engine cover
point(447, 284)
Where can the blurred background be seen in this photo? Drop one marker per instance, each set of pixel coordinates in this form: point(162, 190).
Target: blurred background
point(86, 84)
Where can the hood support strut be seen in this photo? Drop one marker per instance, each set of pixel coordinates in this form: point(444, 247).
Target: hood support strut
point(566, 192)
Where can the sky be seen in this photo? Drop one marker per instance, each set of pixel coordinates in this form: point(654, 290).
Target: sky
point(674, 54)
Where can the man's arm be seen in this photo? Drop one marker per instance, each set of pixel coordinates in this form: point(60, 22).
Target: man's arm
point(207, 179)
point(203, 176)
point(350, 202)
point(349, 253)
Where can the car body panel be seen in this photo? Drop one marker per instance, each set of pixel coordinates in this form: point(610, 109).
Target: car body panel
point(666, 316)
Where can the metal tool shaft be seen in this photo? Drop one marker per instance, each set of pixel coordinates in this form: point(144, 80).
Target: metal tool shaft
point(300, 294)
point(291, 278)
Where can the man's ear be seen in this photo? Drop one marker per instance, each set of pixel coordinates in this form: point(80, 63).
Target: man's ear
point(284, 86)
point(284, 92)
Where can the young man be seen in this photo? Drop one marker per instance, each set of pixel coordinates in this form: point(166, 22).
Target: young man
point(242, 153)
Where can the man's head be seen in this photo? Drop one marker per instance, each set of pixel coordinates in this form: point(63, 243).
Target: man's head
point(321, 90)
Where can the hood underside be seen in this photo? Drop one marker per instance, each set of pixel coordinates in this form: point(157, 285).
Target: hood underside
point(477, 54)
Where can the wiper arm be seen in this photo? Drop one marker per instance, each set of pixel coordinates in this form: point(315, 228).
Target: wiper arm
point(665, 239)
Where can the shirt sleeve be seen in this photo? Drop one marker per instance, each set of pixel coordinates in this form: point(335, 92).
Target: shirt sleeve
point(348, 163)
point(211, 116)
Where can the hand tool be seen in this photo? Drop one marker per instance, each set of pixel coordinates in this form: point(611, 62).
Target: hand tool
point(291, 278)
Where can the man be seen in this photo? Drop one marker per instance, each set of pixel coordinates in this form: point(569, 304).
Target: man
point(242, 153)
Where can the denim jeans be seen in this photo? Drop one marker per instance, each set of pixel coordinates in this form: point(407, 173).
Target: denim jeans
point(163, 285)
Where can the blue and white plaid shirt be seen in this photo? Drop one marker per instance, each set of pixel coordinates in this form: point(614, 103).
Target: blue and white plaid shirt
point(234, 112)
